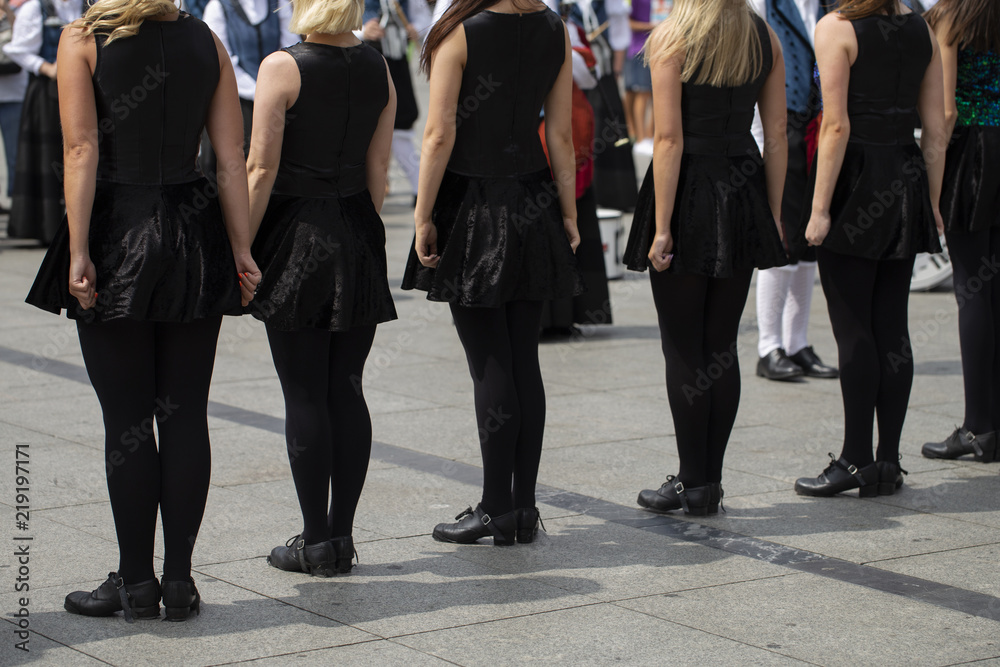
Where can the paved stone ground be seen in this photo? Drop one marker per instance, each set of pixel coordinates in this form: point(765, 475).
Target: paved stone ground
point(777, 579)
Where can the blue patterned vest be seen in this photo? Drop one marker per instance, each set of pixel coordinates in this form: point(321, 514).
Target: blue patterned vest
point(249, 42)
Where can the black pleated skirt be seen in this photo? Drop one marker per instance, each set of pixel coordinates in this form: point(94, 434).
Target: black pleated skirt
point(970, 197)
point(500, 240)
point(323, 264)
point(721, 221)
point(880, 208)
point(37, 204)
point(161, 253)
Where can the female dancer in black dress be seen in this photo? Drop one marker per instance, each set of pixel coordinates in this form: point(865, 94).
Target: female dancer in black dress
point(495, 233)
point(318, 162)
point(968, 33)
point(147, 254)
point(874, 196)
point(706, 216)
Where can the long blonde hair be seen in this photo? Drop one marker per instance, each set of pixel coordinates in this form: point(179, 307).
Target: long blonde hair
point(122, 18)
point(717, 38)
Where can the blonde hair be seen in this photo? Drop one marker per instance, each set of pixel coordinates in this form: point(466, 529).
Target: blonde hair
point(718, 40)
point(122, 18)
point(327, 16)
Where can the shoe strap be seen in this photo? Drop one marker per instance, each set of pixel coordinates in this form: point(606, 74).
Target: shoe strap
point(299, 549)
point(540, 523)
point(974, 441)
point(123, 595)
point(682, 494)
point(489, 523)
point(851, 469)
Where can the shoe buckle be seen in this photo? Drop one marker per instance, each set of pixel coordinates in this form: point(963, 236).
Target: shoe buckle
point(486, 519)
point(853, 469)
point(679, 487)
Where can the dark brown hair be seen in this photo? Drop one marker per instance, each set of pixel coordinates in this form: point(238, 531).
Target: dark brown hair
point(459, 11)
point(859, 9)
point(974, 24)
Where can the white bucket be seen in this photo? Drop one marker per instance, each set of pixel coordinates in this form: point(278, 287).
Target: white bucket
point(613, 239)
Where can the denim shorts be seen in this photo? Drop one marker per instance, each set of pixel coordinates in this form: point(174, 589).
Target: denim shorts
point(637, 76)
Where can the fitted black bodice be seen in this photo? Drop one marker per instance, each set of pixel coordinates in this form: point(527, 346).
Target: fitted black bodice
point(328, 129)
point(717, 119)
point(893, 54)
point(153, 91)
point(513, 61)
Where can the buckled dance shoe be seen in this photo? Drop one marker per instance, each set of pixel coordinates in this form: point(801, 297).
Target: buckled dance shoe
point(890, 477)
point(475, 524)
point(673, 495)
point(962, 441)
point(528, 520)
point(323, 559)
point(838, 477)
point(141, 600)
point(180, 598)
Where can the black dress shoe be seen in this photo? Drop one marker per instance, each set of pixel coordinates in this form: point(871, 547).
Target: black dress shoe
point(838, 477)
point(296, 556)
point(180, 598)
point(528, 520)
point(475, 524)
point(962, 441)
point(141, 600)
point(344, 554)
point(715, 494)
point(890, 477)
point(811, 365)
point(777, 366)
point(673, 495)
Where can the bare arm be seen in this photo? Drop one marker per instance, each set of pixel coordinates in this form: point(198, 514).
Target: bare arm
point(447, 65)
point(278, 84)
point(377, 158)
point(935, 131)
point(774, 118)
point(225, 130)
point(949, 65)
point(76, 60)
point(559, 139)
point(836, 50)
point(668, 148)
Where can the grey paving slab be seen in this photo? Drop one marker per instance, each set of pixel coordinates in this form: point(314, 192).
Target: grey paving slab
point(600, 634)
point(383, 652)
point(617, 557)
point(41, 651)
point(76, 418)
point(408, 585)
point(827, 622)
point(967, 492)
point(58, 554)
point(60, 472)
point(450, 432)
point(848, 528)
point(962, 568)
point(234, 624)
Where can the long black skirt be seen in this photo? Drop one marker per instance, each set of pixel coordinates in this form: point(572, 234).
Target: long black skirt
point(37, 201)
point(614, 170)
point(594, 305)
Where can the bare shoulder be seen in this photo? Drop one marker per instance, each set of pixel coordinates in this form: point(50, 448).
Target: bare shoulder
point(74, 37)
point(279, 63)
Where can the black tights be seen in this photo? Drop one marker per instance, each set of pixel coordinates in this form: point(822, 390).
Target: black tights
point(976, 259)
point(143, 371)
point(867, 300)
point(699, 320)
point(501, 345)
point(328, 430)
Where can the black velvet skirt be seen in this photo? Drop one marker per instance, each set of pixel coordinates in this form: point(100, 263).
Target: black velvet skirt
point(323, 264)
point(721, 221)
point(500, 240)
point(881, 208)
point(970, 196)
point(161, 253)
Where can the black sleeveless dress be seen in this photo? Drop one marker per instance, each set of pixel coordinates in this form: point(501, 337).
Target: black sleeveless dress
point(497, 213)
point(722, 221)
point(881, 208)
point(970, 198)
point(157, 236)
point(321, 244)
